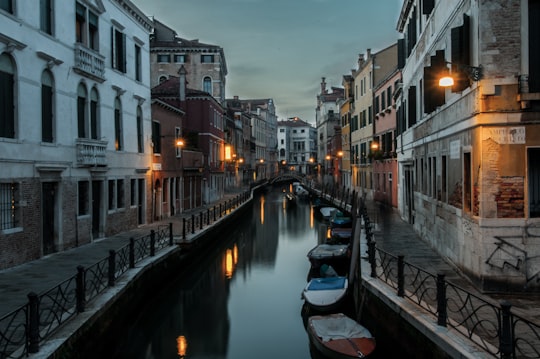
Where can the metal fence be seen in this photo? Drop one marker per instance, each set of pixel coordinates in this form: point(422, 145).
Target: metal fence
point(24, 329)
point(494, 328)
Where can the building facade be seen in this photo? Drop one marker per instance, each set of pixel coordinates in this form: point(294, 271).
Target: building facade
point(296, 146)
point(74, 124)
point(468, 154)
point(205, 65)
point(328, 124)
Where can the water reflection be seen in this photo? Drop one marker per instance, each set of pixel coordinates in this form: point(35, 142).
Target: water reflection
point(242, 301)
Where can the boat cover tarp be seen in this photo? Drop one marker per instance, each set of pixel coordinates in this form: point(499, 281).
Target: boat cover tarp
point(328, 250)
point(338, 327)
point(327, 283)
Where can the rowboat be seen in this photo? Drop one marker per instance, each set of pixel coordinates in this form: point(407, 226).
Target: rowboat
point(326, 293)
point(338, 336)
point(336, 255)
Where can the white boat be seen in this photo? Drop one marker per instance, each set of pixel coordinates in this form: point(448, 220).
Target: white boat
point(327, 293)
point(338, 336)
point(326, 212)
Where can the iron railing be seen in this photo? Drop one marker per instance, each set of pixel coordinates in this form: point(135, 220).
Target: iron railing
point(24, 329)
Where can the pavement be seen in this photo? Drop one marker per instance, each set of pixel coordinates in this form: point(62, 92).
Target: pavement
point(47, 272)
point(395, 236)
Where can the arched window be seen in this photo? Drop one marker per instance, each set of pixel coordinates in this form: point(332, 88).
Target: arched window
point(81, 112)
point(207, 85)
point(47, 107)
point(162, 79)
point(94, 114)
point(7, 100)
point(282, 152)
point(118, 136)
point(140, 142)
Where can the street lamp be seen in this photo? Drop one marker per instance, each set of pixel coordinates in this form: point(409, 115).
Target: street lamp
point(474, 73)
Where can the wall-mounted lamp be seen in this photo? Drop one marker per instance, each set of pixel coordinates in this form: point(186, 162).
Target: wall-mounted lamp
point(475, 73)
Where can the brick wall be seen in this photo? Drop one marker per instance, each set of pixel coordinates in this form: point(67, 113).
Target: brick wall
point(511, 197)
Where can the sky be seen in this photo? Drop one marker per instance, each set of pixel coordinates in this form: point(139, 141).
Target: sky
point(281, 49)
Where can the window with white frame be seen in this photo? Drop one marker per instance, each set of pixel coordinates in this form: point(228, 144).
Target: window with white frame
point(47, 112)
point(86, 27)
point(46, 16)
point(118, 45)
point(207, 85)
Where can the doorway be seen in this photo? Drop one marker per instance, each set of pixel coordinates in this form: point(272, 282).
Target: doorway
point(96, 208)
point(140, 201)
point(48, 215)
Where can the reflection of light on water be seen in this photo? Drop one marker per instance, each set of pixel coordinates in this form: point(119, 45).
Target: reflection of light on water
point(231, 260)
point(181, 346)
point(311, 217)
point(262, 210)
point(229, 264)
point(328, 233)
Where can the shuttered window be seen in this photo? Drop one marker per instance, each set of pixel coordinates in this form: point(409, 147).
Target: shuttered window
point(461, 55)
point(47, 107)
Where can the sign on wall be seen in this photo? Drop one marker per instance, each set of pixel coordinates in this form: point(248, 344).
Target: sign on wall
point(505, 135)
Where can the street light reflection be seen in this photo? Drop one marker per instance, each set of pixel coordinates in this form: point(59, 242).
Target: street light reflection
point(181, 346)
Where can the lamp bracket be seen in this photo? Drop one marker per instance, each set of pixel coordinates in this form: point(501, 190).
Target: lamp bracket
point(474, 73)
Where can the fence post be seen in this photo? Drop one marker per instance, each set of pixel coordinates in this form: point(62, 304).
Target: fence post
point(33, 323)
point(152, 243)
point(192, 223)
point(131, 252)
point(400, 276)
point(220, 210)
point(214, 213)
point(371, 256)
point(183, 228)
point(208, 216)
point(200, 219)
point(80, 289)
point(441, 300)
point(506, 338)
point(112, 266)
point(170, 234)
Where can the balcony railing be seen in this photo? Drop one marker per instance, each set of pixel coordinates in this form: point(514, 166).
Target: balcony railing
point(89, 63)
point(91, 152)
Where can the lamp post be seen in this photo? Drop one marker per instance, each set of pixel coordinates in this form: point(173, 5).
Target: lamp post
point(179, 147)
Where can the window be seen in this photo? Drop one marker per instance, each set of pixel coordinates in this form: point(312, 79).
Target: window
point(94, 102)
point(207, 85)
point(156, 136)
point(178, 137)
point(47, 107)
point(534, 181)
point(120, 194)
point(87, 27)
point(163, 58)
point(7, 100)
point(112, 197)
point(9, 205)
point(138, 61)
point(118, 135)
point(7, 5)
point(207, 59)
point(179, 59)
point(133, 192)
point(389, 96)
point(81, 111)
point(162, 79)
point(140, 139)
point(46, 15)
point(118, 45)
point(83, 198)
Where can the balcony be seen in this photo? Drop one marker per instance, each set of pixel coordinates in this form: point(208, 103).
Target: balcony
point(91, 153)
point(89, 63)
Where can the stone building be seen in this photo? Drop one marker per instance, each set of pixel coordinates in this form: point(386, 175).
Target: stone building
point(469, 153)
point(205, 65)
point(74, 124)
point(296, 146)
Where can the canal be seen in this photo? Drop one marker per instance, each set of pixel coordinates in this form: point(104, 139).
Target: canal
point(243, 301)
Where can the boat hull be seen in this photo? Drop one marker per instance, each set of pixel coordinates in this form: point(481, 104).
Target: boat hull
point(326, 294)
point(359, 344)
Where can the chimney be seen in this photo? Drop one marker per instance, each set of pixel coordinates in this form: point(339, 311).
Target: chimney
point(368, 54)
point(323, 86)
point(360, 61)
point(182, 83)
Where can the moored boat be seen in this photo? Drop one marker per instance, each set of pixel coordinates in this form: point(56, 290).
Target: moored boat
point(326, 294)
point(338, 336)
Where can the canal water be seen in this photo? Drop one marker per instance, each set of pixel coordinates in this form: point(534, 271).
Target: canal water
point(244, 300)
